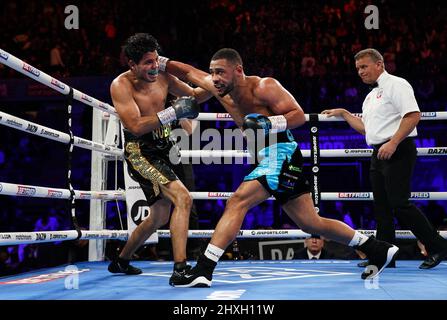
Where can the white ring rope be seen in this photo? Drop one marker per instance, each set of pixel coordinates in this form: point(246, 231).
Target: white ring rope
point(45, 132)
point(325, 153)
point(35, 191)
point(435, 115)
point(329, 196)
point(40, 76)
point(15, 238)
point(10, 189)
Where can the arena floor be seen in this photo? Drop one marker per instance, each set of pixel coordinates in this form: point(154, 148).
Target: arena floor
point(233, 280)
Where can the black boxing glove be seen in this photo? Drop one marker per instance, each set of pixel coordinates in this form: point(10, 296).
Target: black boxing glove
point(182, 108)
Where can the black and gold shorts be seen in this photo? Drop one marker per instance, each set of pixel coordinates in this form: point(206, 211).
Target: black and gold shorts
point(150, 168)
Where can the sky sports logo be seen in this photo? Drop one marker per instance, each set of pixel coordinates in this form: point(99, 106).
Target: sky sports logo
point(54, 194)
point(25, 191)
point(31, 69)
point(4, 55)
point(86, 98)
point(56, 83)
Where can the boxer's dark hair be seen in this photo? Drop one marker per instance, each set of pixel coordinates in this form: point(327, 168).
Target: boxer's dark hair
point(139, 44)
point(228, 54)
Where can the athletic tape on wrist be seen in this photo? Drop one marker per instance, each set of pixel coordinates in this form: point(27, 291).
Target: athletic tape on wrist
point(279, 123)
point(162, 61)
point(167, 115)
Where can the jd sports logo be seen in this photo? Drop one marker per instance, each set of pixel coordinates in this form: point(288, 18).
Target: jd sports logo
point(140, 211)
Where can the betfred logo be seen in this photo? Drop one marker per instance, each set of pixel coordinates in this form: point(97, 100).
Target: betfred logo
point(420, 195)
point(353, 195)
point(223, 116)
point(25, 191)
point(1, 187)
point(428, 114)
point(219, 194)
point(56, 83)
point(30, 69)
point(4, 55)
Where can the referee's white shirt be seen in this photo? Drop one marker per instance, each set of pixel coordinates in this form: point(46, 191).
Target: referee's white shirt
point(385, 106)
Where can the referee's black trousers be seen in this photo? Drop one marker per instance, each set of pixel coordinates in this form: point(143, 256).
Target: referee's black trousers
point(391, 185)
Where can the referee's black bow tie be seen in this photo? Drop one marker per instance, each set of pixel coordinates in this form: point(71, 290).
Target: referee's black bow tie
point(373, 85)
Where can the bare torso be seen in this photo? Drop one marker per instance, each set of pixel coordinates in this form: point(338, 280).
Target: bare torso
point(245, 101)
point(150, 98)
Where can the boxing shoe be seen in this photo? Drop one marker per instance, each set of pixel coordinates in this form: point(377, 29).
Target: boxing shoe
point(200, 276)
point(433, 260)
point(366, 263)
point(380, 255)
point(122, 266)
point(180, 268)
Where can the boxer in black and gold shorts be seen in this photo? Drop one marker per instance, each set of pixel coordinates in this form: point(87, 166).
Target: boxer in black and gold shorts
point(148, 161)
point(140, 97)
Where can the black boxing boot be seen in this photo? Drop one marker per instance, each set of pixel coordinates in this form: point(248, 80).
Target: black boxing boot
point(200, 276)
point(121, 265)
point(380, 255)
point(180, 268)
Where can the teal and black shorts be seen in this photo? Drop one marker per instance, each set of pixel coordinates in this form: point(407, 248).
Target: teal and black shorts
point(281, 171)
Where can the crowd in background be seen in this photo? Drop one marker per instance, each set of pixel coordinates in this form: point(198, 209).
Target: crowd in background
point(308, 46)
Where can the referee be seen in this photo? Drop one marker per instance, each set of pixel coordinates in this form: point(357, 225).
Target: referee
point(390, 116)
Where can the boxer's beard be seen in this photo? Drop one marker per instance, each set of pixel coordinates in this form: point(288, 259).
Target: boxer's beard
point(228, 89)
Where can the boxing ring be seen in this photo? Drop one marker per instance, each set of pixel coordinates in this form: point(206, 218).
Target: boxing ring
point(233, 280)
